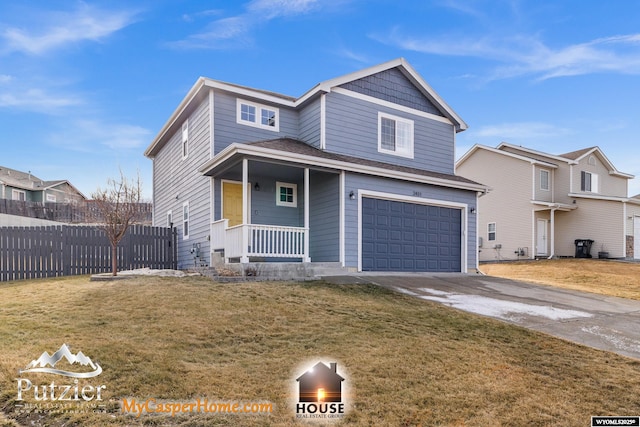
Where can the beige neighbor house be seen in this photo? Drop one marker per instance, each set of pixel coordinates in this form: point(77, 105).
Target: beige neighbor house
point(540, 204)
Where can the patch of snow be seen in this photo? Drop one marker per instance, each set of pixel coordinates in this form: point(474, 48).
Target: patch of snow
point(499, 308)
point(405, 291)
point(614, 337)
point(154, 272)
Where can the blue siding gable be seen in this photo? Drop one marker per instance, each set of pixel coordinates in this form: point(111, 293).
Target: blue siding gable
point(391, 85)
point(352, 129)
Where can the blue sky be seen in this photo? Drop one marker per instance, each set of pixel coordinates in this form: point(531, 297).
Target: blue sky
point(86, 85)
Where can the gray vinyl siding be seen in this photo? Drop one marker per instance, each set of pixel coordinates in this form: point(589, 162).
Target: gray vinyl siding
point(176, 180)
point(310, 123)
point(356, 182)
point(352, 129)
point(324, 217)
point(265, 211)
point(391, 85)
point(228, 131)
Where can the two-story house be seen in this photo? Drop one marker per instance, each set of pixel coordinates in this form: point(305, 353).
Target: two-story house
point(26, 187)
point(539, 204)
point(359, 171)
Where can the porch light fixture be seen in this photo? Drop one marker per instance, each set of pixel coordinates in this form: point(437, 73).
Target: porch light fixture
point(256, 187)
point(472, 210)
point(352, 195)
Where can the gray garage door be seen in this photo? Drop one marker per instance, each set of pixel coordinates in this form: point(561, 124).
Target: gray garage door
point(400, 236)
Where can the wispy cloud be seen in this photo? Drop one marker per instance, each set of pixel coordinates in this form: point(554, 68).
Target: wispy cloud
point(5, 78)
point(522, 55)
point(37, 100)
point(522, 130)
point(88, 135)
point(64, 28)
point(235, 31)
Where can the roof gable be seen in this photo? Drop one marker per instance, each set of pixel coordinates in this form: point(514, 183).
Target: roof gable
point(414, 93)
point(393, 86)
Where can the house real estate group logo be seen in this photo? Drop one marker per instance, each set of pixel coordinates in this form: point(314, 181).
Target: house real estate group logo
point(321, 393)
point(77, 395)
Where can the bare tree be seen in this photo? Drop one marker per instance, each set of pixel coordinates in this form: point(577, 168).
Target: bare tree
point(116, 208)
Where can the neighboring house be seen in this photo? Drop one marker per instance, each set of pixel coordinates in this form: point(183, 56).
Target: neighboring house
point(23, 186)
point(539, 204)
point(358, 171)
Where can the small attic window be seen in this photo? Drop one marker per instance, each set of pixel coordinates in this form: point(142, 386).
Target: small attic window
point(592, 160)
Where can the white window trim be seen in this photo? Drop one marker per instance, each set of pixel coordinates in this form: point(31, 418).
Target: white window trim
point(293, 204)
point(15, 192)
point(495, 232)
point(543, 171)
point(185, 139)
point(185, 236)
point(408, 152)
point(593, 182)
point(258, 122)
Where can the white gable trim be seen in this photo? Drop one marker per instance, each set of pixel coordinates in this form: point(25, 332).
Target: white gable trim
point(477, 147)
point(383, 103)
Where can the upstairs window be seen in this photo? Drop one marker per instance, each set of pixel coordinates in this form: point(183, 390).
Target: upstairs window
point(544, 180)
point(395, 135)
point(257, 115)
point(589, 182)
point(185, 139)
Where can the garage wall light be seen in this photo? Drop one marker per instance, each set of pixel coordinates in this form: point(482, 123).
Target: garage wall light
point(352, 195)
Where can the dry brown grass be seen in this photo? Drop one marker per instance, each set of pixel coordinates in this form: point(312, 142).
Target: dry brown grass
point(409, 362)
point(604, 277)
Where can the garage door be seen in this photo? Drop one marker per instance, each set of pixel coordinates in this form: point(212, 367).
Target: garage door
point(400, 236)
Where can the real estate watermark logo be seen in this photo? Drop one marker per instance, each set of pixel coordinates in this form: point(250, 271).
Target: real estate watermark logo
point(320, 391)
point(76, 366)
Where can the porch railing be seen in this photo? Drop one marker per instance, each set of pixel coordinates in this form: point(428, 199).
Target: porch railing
point(268, 241)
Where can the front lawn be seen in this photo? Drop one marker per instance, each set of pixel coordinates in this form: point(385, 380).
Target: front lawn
point(407, 362)
point(606, 277)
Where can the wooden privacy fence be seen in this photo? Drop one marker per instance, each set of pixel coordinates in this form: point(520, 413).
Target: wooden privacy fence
point(37, 252)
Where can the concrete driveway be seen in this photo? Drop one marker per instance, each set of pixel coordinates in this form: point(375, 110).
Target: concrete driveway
point(606, 323)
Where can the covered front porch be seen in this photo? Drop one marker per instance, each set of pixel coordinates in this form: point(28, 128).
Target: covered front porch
point(544, 226)
point(270, 210)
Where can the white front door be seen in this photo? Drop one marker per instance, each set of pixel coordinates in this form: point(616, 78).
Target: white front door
point(541, 241)
point(636, 237)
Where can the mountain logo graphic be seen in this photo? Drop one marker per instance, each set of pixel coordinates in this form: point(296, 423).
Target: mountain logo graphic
point(41, 363)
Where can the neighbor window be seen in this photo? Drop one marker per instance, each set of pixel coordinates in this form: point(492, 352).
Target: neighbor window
point(286, 194)
point(257, 115)
point(491, 231)
point(18, 195)
point(395, 135)
point(589, 182)
point(544, 180)
point(185, 139)
point(51, 198)
point(185, 220)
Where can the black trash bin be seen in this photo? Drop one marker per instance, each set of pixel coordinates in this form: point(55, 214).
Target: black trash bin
point(583, 248)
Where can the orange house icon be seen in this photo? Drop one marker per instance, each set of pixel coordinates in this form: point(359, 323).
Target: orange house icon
point(321, 383)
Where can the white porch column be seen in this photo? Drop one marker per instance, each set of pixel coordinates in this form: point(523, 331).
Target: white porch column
point(245, 211)
point(306, 258)
point(552, 248)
